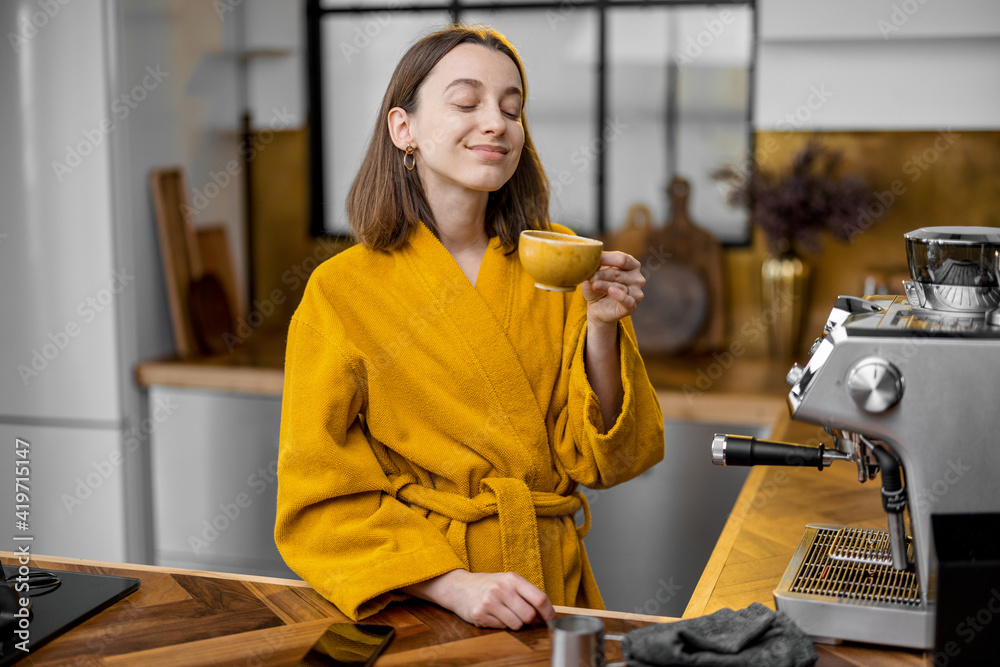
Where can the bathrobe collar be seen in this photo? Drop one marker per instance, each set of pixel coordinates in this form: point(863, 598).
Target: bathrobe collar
point(476, 318)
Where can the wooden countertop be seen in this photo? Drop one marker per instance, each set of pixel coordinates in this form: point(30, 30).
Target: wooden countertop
point(765, 527)
point(255, 366)
point(186, 618)
point(696, 388)
point(190, 618)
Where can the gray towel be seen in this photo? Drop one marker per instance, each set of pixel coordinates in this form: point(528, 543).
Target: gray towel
point(752, 636)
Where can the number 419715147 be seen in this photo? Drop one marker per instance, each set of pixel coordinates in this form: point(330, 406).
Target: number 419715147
point(22, 479)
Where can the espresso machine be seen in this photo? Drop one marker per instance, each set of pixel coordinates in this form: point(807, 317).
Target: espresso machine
point(909, 389)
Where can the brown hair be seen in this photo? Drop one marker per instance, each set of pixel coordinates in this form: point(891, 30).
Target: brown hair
point(386, 201)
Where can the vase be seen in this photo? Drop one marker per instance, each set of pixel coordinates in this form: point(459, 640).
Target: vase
point(785, 289)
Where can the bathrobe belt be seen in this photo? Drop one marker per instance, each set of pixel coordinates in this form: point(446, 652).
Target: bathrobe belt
point(516, 507)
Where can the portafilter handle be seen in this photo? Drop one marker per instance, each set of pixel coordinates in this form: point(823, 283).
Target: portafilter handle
point(745, 450)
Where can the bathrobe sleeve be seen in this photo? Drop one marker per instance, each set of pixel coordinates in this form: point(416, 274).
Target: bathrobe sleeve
point(592, 453)
point(339, 525)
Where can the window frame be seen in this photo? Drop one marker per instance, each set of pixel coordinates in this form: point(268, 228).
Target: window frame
point(314, 57)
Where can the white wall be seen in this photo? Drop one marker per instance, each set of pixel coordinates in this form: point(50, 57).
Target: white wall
point(878, 64)
point(275, 30)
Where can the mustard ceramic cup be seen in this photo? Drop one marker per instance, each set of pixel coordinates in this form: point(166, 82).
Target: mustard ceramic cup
point(558, 262)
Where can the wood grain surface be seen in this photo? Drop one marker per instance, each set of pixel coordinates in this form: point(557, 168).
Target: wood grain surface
point(254, 367)
point(186, 618)
point(178, 250)
point(217, 259)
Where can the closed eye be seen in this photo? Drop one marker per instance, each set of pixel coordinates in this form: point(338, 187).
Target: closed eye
point(513, 115)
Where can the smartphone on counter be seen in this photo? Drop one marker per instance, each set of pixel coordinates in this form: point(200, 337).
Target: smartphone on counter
point(349, 645)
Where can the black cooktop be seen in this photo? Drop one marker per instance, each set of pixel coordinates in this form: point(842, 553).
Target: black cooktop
point(57, 608)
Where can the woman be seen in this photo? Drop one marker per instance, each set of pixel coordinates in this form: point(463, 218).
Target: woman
point(439, 411)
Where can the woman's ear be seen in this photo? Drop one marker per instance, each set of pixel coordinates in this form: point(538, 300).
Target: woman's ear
point(399, 128)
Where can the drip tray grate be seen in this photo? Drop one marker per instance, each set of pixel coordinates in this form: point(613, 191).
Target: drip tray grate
point(854, 563)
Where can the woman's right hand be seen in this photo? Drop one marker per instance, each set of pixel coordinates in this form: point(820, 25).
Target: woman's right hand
point(489, 600)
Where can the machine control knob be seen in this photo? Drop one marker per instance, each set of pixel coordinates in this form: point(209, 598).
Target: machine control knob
point(794, 375)
point(875, 384)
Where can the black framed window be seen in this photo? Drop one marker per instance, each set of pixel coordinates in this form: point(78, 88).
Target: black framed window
point(623, 95)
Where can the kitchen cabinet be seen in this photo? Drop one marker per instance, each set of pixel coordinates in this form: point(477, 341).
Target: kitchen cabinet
point(215, 485)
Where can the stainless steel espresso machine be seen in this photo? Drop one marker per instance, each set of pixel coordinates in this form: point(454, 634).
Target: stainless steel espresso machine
point(909, 388)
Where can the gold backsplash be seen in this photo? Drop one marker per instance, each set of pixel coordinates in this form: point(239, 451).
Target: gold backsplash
point(924, 178)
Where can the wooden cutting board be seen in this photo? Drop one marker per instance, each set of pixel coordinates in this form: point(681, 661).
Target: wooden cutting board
point(673, 312)
point(179, 251)
point(701, 252)
point(197, 268)
point(211, 317)
point(683, 309)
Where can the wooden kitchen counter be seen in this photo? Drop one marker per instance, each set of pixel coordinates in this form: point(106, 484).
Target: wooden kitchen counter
point(255, 366)
point(764, 529)
point(187, 618)
point(746, 391)
point(191, 618)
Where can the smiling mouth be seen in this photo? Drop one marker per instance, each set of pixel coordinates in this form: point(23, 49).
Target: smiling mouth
point(489, 148)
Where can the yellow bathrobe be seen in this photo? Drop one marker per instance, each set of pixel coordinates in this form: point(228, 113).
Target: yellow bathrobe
point(429, 425)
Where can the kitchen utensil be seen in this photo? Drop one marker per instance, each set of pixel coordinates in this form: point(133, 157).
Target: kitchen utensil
point(578, 641)
point(674, 309)
point(198, 269)
point(179, 250)
point(217, 259)
point(683, 308)
point(211, 317)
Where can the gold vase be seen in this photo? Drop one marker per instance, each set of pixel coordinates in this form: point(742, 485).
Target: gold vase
point(785, 289)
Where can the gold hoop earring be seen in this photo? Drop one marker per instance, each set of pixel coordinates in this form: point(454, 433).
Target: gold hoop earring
point(413, 159)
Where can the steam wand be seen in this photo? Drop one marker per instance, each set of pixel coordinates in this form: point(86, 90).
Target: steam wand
point(893, 501)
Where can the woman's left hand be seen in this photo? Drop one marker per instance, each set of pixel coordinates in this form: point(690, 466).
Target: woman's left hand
point(615, 290)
